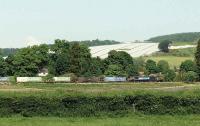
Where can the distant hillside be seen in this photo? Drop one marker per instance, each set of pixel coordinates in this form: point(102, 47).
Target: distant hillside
point(98, 42)
point(7, 51)
point(90, 43)
point(179, 37)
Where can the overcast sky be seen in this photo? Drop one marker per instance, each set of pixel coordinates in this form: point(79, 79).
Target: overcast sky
point(24, 21)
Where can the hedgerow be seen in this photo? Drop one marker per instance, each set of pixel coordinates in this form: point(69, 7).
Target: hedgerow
point(82, 106)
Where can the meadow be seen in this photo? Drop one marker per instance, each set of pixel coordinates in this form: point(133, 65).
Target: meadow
point(183, 43)
point(174, 61)
point(135, 120)
point(175, 56)
point(97, 90)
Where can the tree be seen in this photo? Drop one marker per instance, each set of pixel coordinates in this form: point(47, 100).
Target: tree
point(187, 66)
point(80, 59)
point(164, 46)
point(96, 67)
point(119, 57)
point(132, 70)
point(197, 58)
point(163, 66)
point(28, 61)
point(115, 70)
point(75, 57)
point(85, 60)
point(169, 75)
point(60, 46)
point(59, 59)
point(190, 76)
point(9, 65)
point(140, 63)
point(62, 64)
point(151, 67)
point(2, 67)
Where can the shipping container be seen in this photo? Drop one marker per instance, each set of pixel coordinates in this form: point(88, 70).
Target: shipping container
point(115, 79)
point(62, 79)
point(4, 79)
point(29, 79)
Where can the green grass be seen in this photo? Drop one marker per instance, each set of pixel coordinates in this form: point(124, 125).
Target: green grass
point(109, 89)
point(135, 120)
point(59, 90)
point(173, 61)
point(182, 43)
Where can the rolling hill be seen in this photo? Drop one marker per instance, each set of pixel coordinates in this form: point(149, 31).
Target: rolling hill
point(178, 37)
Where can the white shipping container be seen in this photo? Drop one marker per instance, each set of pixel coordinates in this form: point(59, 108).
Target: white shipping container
point(29, 79)
point(62, 79)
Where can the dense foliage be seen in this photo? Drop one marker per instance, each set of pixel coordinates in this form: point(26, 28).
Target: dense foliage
point(151, 67)
point(97, 42)
point(82, 106)
point(179, 37)
point(64, 58)
point(187, 66)
point(27, 61)
point(190, 76)
point(197, 58)
point(164, 46)
point(7, 51)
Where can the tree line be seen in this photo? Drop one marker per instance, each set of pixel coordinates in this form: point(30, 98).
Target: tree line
point(8, 51)
point(67, 58)
point(178, 37)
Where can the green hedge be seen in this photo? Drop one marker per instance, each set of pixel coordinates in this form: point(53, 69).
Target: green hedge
point(97, 106)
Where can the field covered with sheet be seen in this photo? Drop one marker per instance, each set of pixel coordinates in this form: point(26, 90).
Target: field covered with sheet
point(134, 49)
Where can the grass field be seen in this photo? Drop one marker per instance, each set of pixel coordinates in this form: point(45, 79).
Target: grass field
point(173, 61)
point(182, 43)
point(135, 120)
point(59, 90)
point(106, 89)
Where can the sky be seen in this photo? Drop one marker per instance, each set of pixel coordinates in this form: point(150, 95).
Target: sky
point(25, 22)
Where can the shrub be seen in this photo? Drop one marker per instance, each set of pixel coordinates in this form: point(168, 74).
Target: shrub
point(169, 75)
point(82, 106)
point(190, 76)
point(163, 66)
point(151, 67)
point(187, 66)
point(48, 78)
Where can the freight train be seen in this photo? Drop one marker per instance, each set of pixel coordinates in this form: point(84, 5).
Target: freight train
point(82, 79)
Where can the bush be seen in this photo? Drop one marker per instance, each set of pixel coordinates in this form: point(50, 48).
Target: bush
point(163, 66)
point(187, 66)
point(190, 76)
point(48, 78)
point(151, 67)
point(169, 75)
